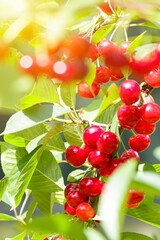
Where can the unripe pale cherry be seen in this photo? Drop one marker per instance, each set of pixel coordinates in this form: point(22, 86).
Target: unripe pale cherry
point(85, 92)
point(128, 115)
point(108, 142)
point(90, 187)
point(153, 78)
point(75, 156)
point(103, 75)
point(140, 142)
point(150, 112)
point(93, 52)
point(131, 153)
point(98, 159)
point(74, 198)
point(129, 91)
point(69, 210)
point(84, 211)
point(69, 188)
point(91, 135)
point(145, 128)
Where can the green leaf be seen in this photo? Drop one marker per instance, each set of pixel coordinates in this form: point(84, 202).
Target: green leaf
point(83, 26)
point(3, 186)
point(133, 236)
point(91, 111)
point(102, 32)
point(92, 234)
point(39, 236)
point(44, 91)
point(68, 94)
point(156, 167)
point(4, 217)
point(108, 115)
point(144, 51)
point(111, 95)
point(59, 223)
point(135, 44)
point(30, 211)
point(47, 176)
point(32, 116)
point(150, 215)
point(76, 175)
point(59, 197)
point(19, 237)
point(44, 202)
point(91, 74)
point(111, 202)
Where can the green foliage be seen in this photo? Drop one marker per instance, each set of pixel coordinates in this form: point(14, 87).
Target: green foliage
point(133, 236)
point(102, 32)
point(75, 175)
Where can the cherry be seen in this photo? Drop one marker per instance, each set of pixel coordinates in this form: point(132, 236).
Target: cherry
point(28, 64)
point(118, 162)
point(135, 197)
point(105, 172)
point(106, 8)
point(108, 142)
point(98, 159)
point(74, 198)
point(91, 135)
point(79, 69)
point(153, 78)
point(139, 143)
point(145, 128)
point(46, 239)
point(150, 112)
point(77, 47)
point(135, 205)
point(75, 156)
point(124, 46)
point(90, 187)
point(115, 58)
point(70, 187)
point(125, 126)
point(63, 71)
point(103, 75)
point(69, 210)
point(106, 46)
point(88, 149)
point(128, 115)
point(131, 153)
point(93, 52)
point(116, 74)
point(84, 211)
point(59, 238)
point(85, 92)
point(129, 91)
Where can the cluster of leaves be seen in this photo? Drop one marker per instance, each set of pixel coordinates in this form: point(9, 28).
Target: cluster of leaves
point(33, 148)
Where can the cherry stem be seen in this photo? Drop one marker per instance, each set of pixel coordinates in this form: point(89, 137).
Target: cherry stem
point(15, 212)
point(114, 31)
point(123, 146)
point(133, 133)
point(125, 33)
point(24, 204)
point(109, 3)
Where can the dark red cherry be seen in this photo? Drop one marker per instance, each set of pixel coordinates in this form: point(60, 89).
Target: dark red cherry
point(90, 187)
point(103, 75)
point(93, 52)
point(88, 149)
point(153, 78)
point(128, 115)
point(91, 135)
point(131, 153)
point(75, 156)
point(108, 142)
point(135, 197)
point(145, 128)
point(85, 92)
point(69, 210)
point(129, 91)
point(150, 112)
point(140, 142)
point(98, 159)
point(70, 187)
point(74, 198)
point(124, 46)
point(106, 46)
point(84, 211)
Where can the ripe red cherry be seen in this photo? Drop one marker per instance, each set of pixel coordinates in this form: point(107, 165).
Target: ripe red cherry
point(88, 149)
point(106, 8)
point(116, 74)
point(150, 112)
point(128, 115)
point(124, 46)
point(135, 197)
point(46, 239)
point(118, 162)
point(85, 92)
point(106, 46)
point(84, 211)
point(103, 75)
point(140, 142)
point(116, 59)
point(74, 198)
point(108, 142)
point(125, 126)
point(70, 187)
point(131, 153)
point(145, 128)
point(28, 64)
point(59, 238)
point(91, 135)
point(75, 156)
point(105, 172)
point(90, 187)
point(63, 71)
point(69, 210)
point(153, 78)
point(93, 52)
point(77, 47)
point(79, 69)
point(129, 91)
point(98, 159)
